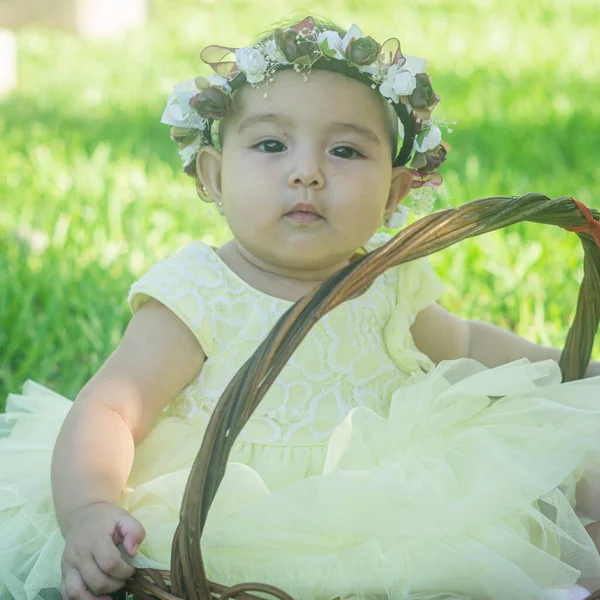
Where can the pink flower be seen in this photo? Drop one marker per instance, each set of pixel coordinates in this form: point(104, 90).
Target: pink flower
point(363, 51)
point(211, 103)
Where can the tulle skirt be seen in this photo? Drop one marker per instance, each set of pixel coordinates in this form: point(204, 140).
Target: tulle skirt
point(466, 490)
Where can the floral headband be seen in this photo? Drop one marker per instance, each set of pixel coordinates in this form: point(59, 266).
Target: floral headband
point(196, 106)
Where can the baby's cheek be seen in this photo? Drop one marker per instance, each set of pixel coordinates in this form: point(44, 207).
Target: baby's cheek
point(367, 209)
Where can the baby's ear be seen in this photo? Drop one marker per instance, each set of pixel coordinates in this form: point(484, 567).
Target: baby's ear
point(402, 178)
point(208, 171)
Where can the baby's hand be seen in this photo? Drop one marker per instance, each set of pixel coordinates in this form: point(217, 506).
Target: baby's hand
point(91, 563)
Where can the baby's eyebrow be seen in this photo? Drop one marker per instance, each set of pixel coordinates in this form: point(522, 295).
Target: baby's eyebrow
point(364, 131)
point(272, 117)
point(267, 117)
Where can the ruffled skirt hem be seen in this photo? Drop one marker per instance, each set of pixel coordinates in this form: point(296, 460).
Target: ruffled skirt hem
point(465, 490)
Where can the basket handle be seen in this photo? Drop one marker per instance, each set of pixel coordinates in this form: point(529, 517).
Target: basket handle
point(424, 237)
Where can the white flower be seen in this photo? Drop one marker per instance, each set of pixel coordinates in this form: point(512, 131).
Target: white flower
point(431, 140)
point(252, 63)
point(188, 153)
point(334, 43)
point(398, 218)
point(178, 113)
point(404, 83)
point(216, 80)
point(274, 53)
point(354, 32)
point(414, 64)
point(399, 82)
point(374, 70)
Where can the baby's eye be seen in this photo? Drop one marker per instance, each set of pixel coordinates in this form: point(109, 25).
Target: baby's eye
point(346, 152)
point(270, 146)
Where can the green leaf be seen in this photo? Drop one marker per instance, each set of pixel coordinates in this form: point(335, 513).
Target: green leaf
point(421, 135)
point(419, 161)
point(326, 50)
point(303, 60)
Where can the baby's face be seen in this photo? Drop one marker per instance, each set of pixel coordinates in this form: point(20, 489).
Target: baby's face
point(324, 143)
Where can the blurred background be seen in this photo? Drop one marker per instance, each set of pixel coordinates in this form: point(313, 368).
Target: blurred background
point(92, 193)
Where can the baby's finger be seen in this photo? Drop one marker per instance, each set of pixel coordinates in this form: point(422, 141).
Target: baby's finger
point(73, 587)
point(132, 534)
point(98, 582)
point(109, 559)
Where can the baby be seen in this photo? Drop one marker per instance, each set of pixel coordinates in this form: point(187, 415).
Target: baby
point(377, 464)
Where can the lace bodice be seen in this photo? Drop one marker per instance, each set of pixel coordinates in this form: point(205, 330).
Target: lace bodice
point(356, 355)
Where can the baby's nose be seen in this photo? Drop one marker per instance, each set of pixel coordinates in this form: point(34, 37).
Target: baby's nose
point(307, 176)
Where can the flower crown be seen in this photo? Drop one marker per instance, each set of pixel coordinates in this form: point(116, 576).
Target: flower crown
point(198, 104)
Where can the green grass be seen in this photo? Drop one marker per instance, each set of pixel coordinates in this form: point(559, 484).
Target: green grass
point(91, 193)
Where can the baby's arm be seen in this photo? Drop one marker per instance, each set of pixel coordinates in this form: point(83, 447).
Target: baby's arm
point(93, 455)
point(444, 336)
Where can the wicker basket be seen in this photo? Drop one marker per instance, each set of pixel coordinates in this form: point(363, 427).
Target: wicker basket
point(187, 579)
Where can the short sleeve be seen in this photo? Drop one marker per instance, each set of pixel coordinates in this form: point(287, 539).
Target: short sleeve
point(417, 287)
point(181, 283)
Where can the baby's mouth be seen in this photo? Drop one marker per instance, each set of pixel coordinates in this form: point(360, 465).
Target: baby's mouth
point(304, 217)
point(304, 213)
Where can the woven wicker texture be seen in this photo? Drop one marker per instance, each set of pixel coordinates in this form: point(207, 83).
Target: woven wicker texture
point(187, 579)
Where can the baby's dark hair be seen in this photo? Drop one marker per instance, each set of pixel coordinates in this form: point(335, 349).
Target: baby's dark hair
point(400, 156)
point(340, 66)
